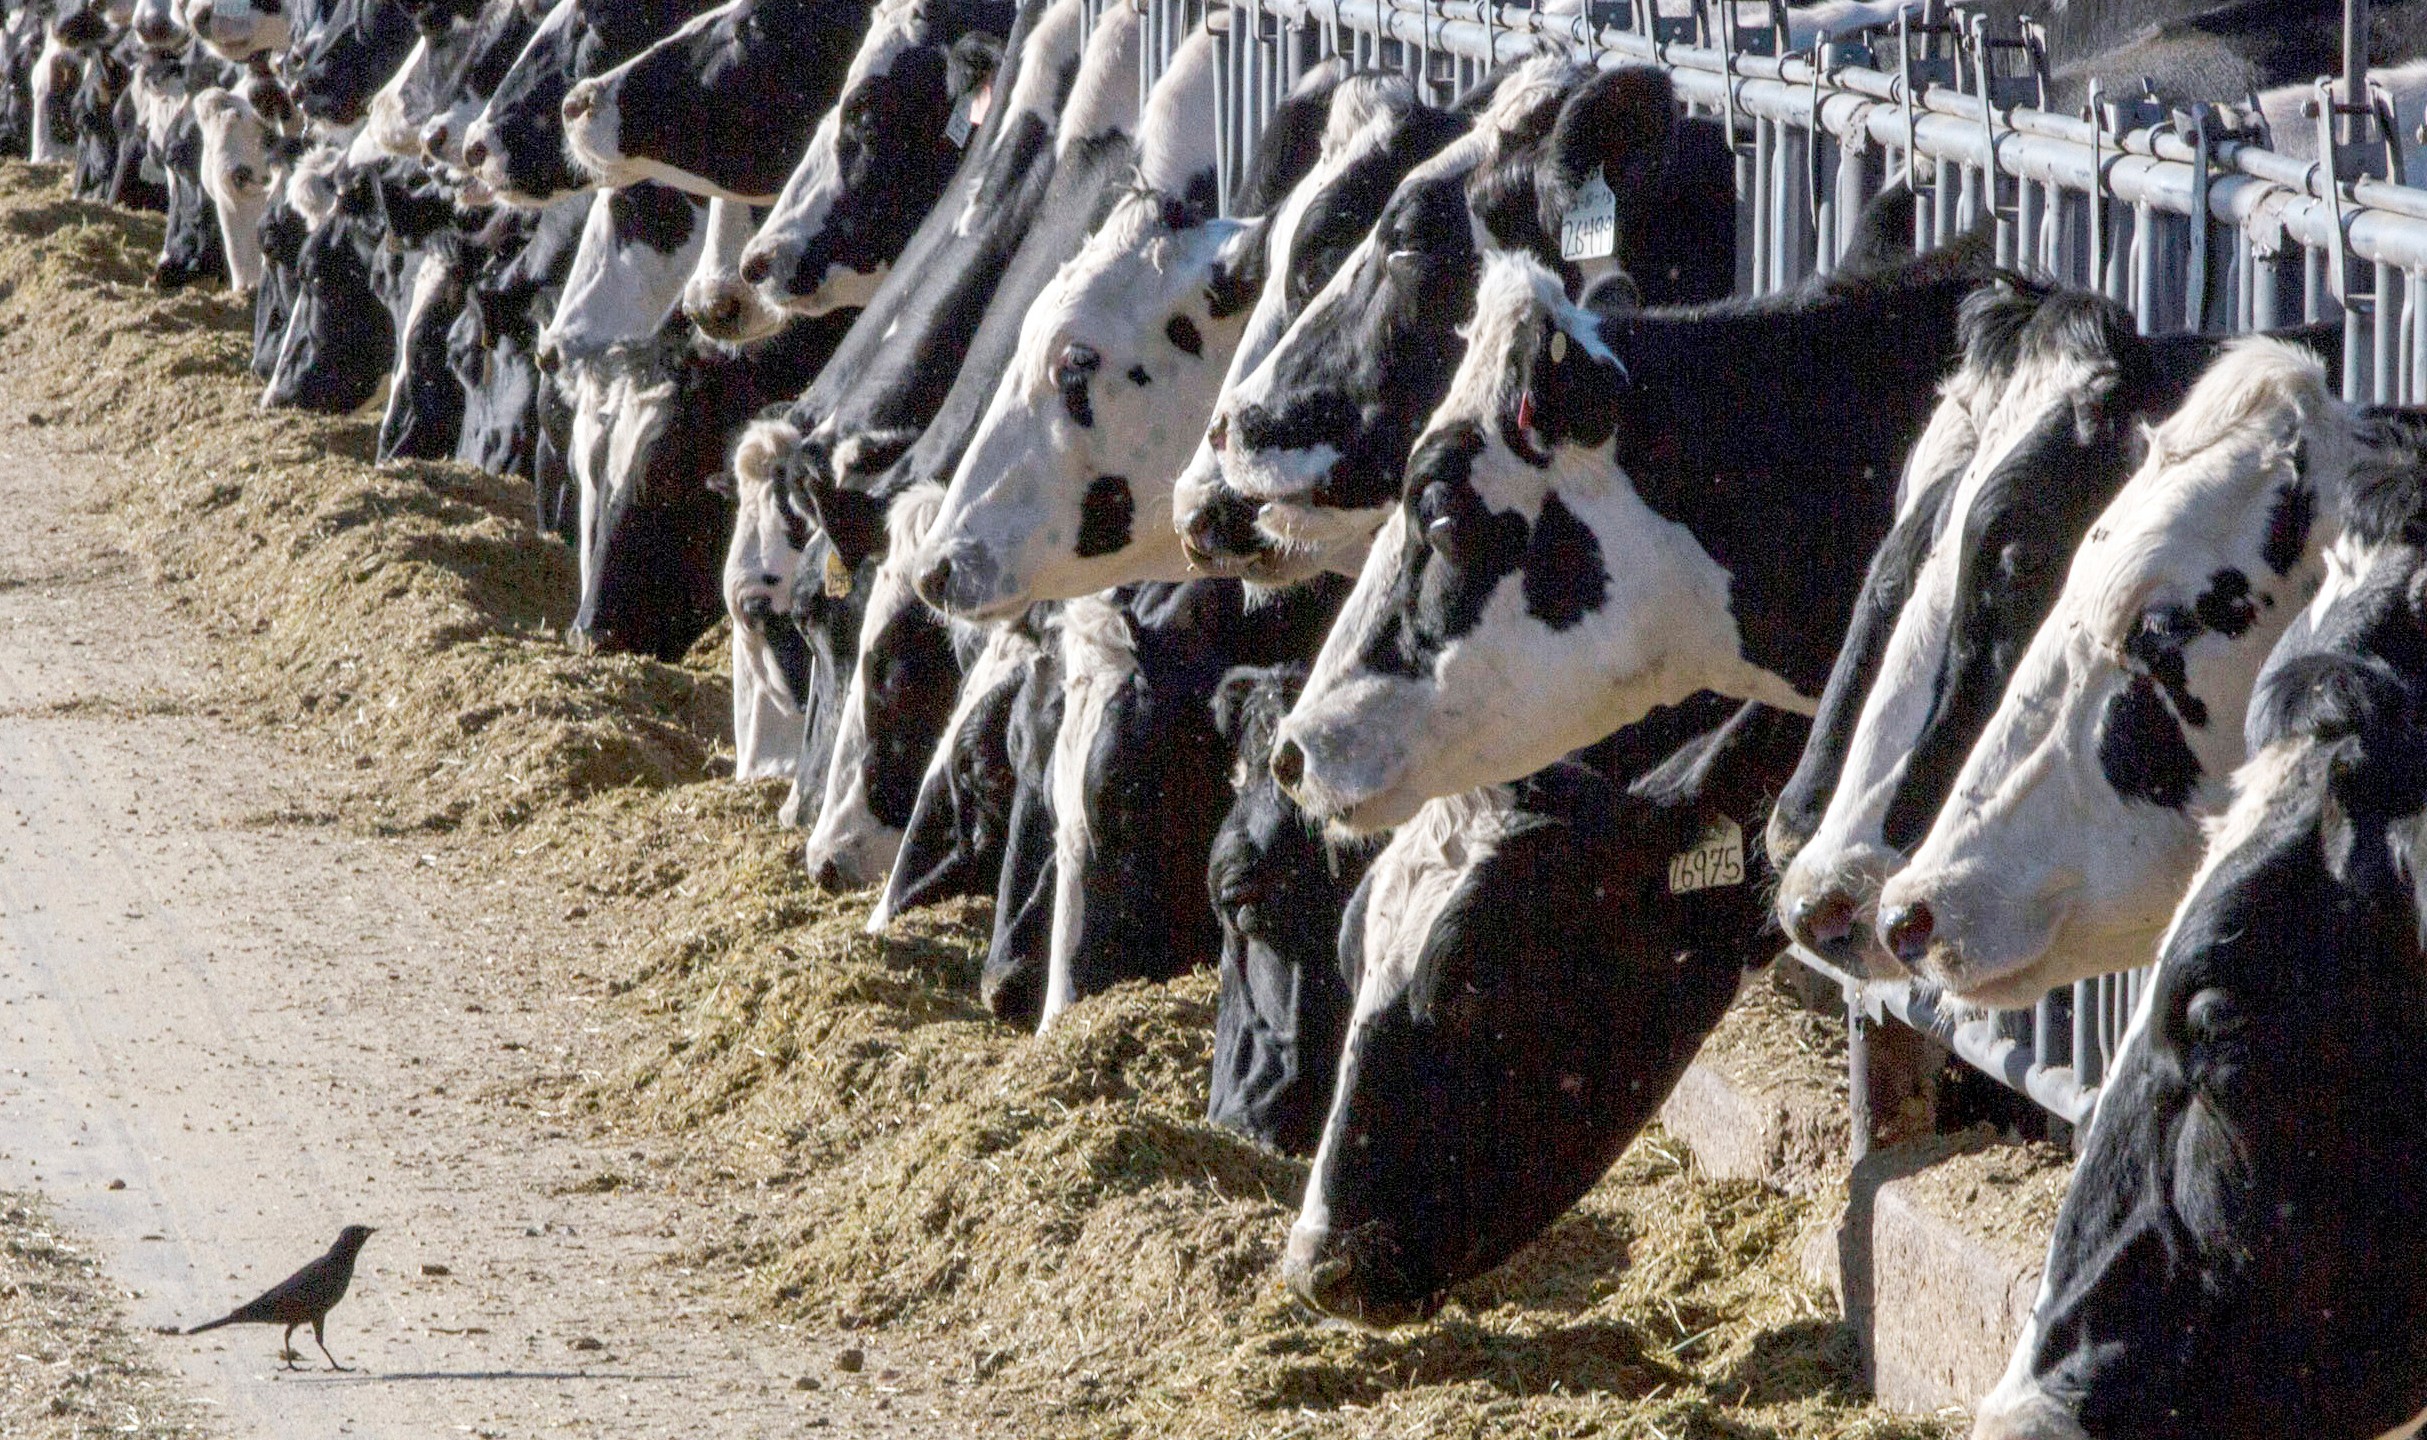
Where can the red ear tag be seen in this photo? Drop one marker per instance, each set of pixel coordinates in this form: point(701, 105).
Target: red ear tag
point(1525, 412)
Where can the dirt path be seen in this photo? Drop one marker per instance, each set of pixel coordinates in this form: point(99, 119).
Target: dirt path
point(228, 1027)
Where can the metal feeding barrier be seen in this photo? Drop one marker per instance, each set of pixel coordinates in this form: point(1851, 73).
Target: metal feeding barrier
point(2191, 217)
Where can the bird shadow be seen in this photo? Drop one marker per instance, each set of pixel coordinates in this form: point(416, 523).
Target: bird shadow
point(383, 1377)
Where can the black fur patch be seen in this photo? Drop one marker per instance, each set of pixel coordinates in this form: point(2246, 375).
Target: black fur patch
point(1139, 377)
point(2141, 749)
point(1073, 386)
point(1105, 516)
point(2288, 522)
point(1564, 576)
point(2227, 607)
point(1183, 333)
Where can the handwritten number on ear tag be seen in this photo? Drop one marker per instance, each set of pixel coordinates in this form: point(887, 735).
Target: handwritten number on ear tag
point(838, 577)
point(1589, 229)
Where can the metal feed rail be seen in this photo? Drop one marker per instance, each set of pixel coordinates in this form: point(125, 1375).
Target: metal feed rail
point(2187, 217)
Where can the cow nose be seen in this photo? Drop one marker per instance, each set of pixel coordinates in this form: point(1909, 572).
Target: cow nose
point(582, 100)
point(549, 359)
point(1906, 931)
point(1218, 435)
point(1824, 920)
point(756, 267)
point(1288, 765)
point(434, 139)
point(829, 877)
point(1320, 1273)
point(935, 581)
point(476, 154)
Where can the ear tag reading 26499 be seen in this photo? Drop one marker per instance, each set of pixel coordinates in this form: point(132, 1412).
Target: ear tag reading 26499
point(1589, 229)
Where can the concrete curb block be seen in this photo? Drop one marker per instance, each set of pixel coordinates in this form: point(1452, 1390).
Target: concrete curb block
point(1945, 1304)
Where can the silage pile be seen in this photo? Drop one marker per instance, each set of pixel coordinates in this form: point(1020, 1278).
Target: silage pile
point(1053, 1205)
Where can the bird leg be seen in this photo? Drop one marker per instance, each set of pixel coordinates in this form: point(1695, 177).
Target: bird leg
point(324, 1349)
point(286, 1349)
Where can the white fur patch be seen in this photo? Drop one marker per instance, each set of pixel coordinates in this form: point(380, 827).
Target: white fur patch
point(1098, 657)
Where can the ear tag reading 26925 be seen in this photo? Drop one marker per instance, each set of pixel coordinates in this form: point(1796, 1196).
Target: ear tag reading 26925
point(1589, 229)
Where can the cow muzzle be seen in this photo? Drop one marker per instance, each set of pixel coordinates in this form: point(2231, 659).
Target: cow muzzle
point(1347, 1276)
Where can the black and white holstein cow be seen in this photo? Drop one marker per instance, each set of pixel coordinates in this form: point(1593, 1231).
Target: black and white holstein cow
point(2239, 1255)
point(516, 146)
point(1280, 887)
point(724, 106)
point(1140, 772)
point(918, 91)
point(345, 55)
point(2074, 823)
point(2056, 391)
point(883, 382)
point(1084, 175)
point(960, 824)
point(1591, 520)
point(1314, 442)
point(1066, 488)
point(1534, 967)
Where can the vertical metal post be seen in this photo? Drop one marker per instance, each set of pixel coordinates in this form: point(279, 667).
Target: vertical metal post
point(2382, 373)
point(2087, 1068)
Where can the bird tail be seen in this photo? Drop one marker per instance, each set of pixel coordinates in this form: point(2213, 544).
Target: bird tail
point(212, 1325)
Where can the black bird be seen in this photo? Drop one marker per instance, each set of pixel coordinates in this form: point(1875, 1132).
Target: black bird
point(303, 1298)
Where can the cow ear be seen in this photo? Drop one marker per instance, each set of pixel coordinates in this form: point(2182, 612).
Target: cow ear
point(1620, 123)
point(1231, 699)
point(1238, 273)
point(1614, 294)
point(973, 60)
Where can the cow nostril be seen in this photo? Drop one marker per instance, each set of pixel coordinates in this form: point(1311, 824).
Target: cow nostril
point(548, 360)
point(1906, 931)
point(756, 267)
point(581, 102)
point(1824, 921)
point(1288, 765)
point(199, 17)
point(434, 139)
point(935, 580)
point(476, 154)
point(829, 877)
point(1219, 435)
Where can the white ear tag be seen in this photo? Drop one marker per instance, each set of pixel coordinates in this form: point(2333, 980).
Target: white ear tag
point(968, 113)
point(1558, 347)
point(1717, 859)
point(1589, 229)
point(838, 576)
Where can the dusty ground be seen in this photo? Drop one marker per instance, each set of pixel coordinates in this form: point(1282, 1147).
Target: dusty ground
point(332, 888)
point(228, 1028)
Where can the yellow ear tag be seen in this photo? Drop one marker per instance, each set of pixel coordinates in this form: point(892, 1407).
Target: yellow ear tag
point(1558, 347)
point(838, 577)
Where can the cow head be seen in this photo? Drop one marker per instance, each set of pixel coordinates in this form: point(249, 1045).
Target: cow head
point(769, 538)
point(517, 145)
point(342, 62)
point(900, 698)
point(1064, 490)
point(1318, 435)
point(721, 107)
point(1280, 890)
point(1530, 983)
point(2052, 393)
point(236, 174)
point(880, 159)
point(637, 248)
point(236, 30)
point(1374, 133)
point(2239, 1252)
point(2073, 826)
point(961, 822)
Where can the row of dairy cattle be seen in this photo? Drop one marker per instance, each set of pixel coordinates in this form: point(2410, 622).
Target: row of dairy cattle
point(1421, 562)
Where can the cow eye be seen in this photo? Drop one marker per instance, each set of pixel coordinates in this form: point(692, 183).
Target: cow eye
point(2211, 1016)
point(1074, 365)
point(1403, 262)
point(1436, 511)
